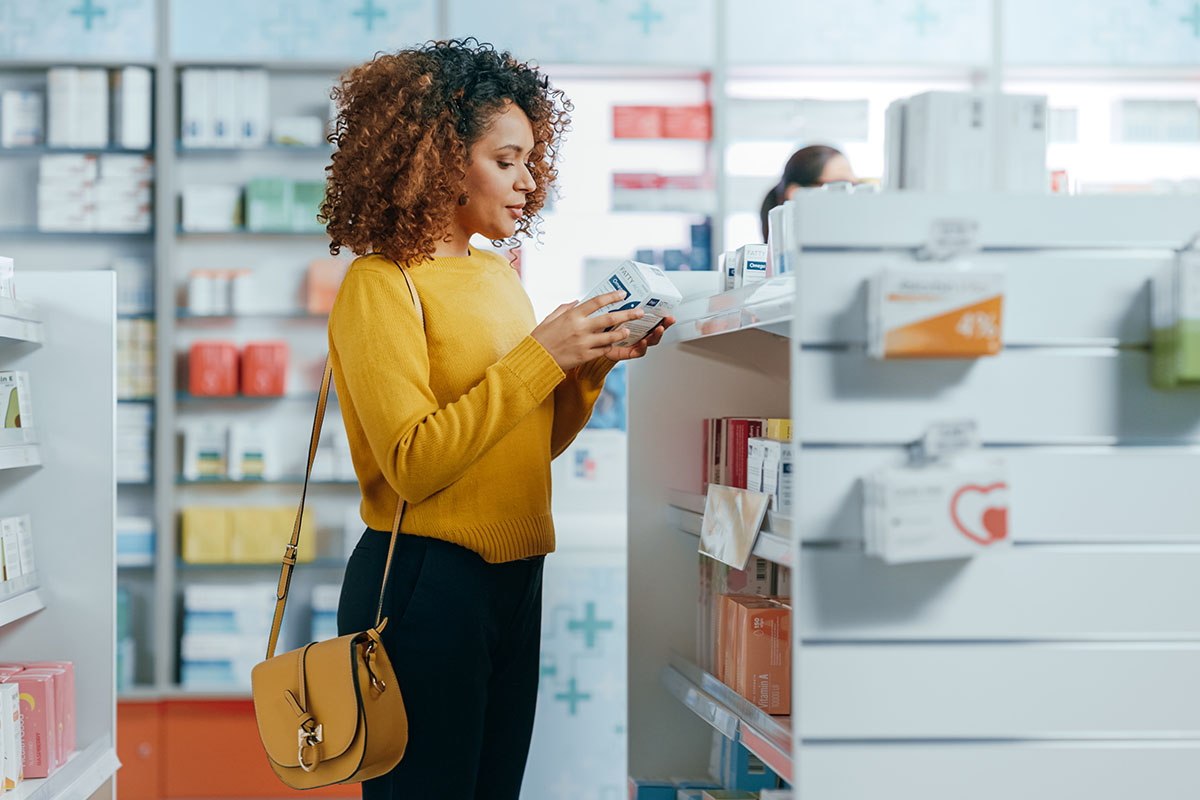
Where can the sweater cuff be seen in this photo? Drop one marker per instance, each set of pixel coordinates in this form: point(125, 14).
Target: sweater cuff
point(535, 367)
point(596, 370)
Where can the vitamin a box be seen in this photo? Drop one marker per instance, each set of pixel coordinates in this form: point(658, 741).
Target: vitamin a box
point(644, 286)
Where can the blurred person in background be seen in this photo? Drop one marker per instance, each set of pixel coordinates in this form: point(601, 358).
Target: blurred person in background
point(815, 165)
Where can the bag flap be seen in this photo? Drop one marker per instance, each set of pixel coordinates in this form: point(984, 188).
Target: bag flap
point(331, 674)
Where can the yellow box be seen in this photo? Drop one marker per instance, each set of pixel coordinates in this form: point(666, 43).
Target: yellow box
point(261, 534)
point(780, 429)
point(205, 534)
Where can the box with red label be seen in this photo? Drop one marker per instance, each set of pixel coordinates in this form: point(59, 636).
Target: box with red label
point(69, 696)
point(59, 676)
point(687, 122)
point(264, 369)
point(213, 369)
point(38, 723)
point(638, 122)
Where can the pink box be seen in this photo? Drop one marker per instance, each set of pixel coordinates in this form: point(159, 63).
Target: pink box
point(637, 122)
point(68, 729)
point(687, 122)
point(38, 720)
point(61, 753)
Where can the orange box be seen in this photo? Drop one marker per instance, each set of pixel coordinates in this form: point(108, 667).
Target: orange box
point(764, 673)
point(687, 122)
point(323, 281)
point(213, 369)
point(264, 369)
point(725, 660)
point(638, 122)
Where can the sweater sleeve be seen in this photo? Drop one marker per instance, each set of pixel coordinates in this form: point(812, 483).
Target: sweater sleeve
point(422, 448)
point(574, 399)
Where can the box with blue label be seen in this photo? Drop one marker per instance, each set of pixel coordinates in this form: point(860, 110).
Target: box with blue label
point(223, 609)
point(640, 789)
point(644, 286)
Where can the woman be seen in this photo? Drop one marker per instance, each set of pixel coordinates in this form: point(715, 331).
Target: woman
point(460, 418)
point(815, 165)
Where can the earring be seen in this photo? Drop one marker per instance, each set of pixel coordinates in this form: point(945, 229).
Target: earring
point(462, 199)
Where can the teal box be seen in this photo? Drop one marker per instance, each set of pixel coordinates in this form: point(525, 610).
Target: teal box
point(651, 790)
point(307, 197)
point(743, 771)
point(269, 205)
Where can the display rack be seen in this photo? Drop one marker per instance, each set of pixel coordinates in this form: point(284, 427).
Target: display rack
point(1003, 665)
point(67, 610)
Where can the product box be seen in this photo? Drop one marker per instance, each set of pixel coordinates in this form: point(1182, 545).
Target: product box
point(135, 541)
point(206, 535)
point(91, 111)
point(780, 240)
point(738, 769)
point(777, 469)
point(21, 115)
point(938, 512)
point(637, 122)
point(646, 287)
point(640, 789)
point(949, 142)
point(39, 720)
point(687, 122)
point(223, 105)
point(59, 676)
point(305, 205)
point(10, 549)
point(24, 531)
point(8, 289)
point(717, 579)
point(252, 454)
point(764, 675)
point(243, 610)
point(260, 535)
point(62, 101)
point(253, 107)
point(1021, 161)
point(132, 118)
point(196, 116)
point(302, 131)
point(736, 436)
point(935, 313)
point(728, 268)
point(780, 429)
point(15, 399)
point(322, 282)
point(751, 265)
point(264, 369)
point(895, 134)
point(220, 661)
point(11, 741)
point(205, 453)
point(68, 668)
point(269, 204)
point(211, 207)
point(77, 167)
point(213, 369)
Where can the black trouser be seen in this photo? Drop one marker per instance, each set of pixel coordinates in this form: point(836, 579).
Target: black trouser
point(463, 636)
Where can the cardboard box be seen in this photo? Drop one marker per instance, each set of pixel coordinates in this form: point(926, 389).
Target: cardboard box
point(764, 675)
point(213, 369)
point(39, 719)
point(206, 535)
point(211, 207)
point(12, 747)
point(91, 111)
point(644, 286)
point(68, 668)
point(196, 116)
point(223, 105)
point(935, 313)
point(264, 369)
point(131, 89)
point(252, 453)
point(62, 103)
point(260, 535)
point(323, 280)
point(21, 118)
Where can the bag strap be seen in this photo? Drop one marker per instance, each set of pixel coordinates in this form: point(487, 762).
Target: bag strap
point(289, 553)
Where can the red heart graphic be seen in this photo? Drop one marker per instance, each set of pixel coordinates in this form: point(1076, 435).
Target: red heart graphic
point(995, 519)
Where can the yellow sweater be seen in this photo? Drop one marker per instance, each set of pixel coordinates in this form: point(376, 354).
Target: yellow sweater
point(463, 418)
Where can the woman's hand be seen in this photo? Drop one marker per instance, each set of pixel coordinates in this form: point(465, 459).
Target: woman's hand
point(572, 338)
point(638, 350)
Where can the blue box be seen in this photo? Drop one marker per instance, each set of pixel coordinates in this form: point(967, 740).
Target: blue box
point(741, 770)
point(651, 790)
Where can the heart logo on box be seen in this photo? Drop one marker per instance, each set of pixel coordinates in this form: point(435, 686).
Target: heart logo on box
point(981, 512)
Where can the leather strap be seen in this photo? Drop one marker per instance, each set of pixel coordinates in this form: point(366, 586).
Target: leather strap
point(289, 553)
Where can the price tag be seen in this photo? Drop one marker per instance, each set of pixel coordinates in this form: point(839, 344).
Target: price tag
point(951, 238)
point(946, 439)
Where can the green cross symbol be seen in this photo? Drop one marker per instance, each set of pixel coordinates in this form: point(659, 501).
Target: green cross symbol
point(922, 17)
point(1193, 19)
point(572, 696)
point(89, 12)
point(370, 13)
point(647, 16)
point(589, 625)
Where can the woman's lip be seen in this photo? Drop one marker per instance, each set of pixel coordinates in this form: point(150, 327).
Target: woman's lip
point(516, 211)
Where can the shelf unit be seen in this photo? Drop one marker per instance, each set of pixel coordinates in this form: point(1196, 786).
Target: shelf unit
point(886, 658)
point(67, 609)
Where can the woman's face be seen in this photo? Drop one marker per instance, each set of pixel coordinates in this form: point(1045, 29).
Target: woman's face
point(836, 169)
point(498, 177)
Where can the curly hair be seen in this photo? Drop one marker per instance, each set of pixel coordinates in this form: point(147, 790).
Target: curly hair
point(406, 122)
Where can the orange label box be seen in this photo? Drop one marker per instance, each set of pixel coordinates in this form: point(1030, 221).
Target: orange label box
point(936, 313)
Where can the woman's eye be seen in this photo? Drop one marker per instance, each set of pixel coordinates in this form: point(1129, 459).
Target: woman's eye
point(504, 164)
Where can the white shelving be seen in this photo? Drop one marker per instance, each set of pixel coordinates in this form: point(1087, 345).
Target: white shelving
point(84, 773)
point(19, 598)
point(19, 321)
point(885, 658)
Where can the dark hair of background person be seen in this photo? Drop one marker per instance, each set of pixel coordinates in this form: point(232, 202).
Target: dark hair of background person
point(804, 168)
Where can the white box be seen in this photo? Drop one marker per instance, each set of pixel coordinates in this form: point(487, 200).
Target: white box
point(751, 264)
point(1021, 166)
point(254, 107)
point(211, 207)
point(135, 541)
point(73, 166)
point(25, 551)
point(12, 744)
point(196, 112)
point(15, 400)
point(91, 114)
point(7, 269)
point(126, 165)
point(895, 134)
point(948, 142)
point(132, 117)
point(21, 118)
point(646, 287)
point(305, 131)
point(10, 548)
point(728, 267)
point(935, 312)
point(252, 452)
point(224, 94)
point(205, 451)
point(242, 610)
point(779, 240)
point(62, 104)
point(777, 459)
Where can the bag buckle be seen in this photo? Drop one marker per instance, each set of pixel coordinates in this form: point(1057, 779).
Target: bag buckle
point(290, 553)
point(307, 738)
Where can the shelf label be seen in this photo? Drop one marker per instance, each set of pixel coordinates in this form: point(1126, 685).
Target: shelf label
point(945, 439)
point(951, 238)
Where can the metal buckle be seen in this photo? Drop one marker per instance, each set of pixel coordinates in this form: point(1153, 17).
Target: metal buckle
point(308, 738)
point(290, 551)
